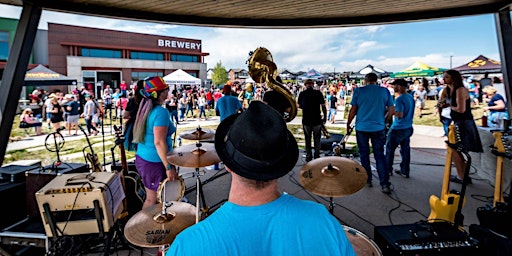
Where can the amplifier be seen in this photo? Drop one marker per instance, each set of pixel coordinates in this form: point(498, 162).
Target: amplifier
point(39, 177)
point(436, 238)
point(81, 203)
point(13, 197)
point(14, 173)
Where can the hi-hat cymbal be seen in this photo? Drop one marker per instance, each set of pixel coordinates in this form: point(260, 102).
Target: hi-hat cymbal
point(198, 134)
point(332, 176)
point(194, 155)
point(152, 228)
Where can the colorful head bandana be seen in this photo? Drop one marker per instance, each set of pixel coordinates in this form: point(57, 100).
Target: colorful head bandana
point(152, 85)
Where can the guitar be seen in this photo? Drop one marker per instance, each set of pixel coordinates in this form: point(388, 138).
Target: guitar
point(91, 156)
point(134, 189)
point(500, 151)
point(497, 216)
point(448, 206)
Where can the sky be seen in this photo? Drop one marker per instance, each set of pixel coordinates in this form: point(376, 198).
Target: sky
point(437, 43)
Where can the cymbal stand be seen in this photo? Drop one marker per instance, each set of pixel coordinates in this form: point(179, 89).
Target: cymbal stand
point(331, 205)
point(200, 195)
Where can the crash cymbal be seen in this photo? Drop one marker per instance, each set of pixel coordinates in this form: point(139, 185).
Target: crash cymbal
point(194, 155)
point(198, 134)
point(332, 176)
point(153, 227)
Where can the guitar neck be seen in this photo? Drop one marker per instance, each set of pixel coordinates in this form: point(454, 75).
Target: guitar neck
point(445, 190)
point(124, 163)
point(498, 182)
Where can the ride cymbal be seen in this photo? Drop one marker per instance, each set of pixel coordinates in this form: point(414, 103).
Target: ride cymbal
point(198, 134)
point(151, 227)
point(332, 176)
point(194, 155)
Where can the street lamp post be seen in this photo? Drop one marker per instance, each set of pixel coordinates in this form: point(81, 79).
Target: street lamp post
point(451, 56)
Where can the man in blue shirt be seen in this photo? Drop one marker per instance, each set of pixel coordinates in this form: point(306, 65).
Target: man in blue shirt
point(372, 104)
point(227, 104)
point(257, 149)
point(401, 130)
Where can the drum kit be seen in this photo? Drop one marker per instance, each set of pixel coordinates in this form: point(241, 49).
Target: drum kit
point(158, 225)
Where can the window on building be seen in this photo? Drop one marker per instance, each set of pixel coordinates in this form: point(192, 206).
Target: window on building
point(184, 58)
point(147, 55)
point(101, 53)
point(136, 76)
point(4, 45)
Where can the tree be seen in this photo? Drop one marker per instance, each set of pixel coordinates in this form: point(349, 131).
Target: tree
point(219, 75)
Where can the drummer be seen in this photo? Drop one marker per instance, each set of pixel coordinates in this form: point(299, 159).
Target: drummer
point(258, 219)
point(152, 132)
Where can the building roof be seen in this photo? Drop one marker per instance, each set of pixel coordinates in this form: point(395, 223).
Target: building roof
point(274, 14)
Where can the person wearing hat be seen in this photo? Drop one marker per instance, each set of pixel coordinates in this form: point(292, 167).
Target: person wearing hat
point(311, 101)
point(73, 114)
point(152, 131)
point(457, 98)
point(258, 219)
point(228, 104)
point(496, 105)
point(27, 120)
point(372, 104)
point(401, 130)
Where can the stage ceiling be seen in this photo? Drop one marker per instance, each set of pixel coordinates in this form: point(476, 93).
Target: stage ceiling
point(271, 13)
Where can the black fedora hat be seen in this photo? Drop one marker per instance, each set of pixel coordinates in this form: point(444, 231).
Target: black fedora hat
point(256, 144)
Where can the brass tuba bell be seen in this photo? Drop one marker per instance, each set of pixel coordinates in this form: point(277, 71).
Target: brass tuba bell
point(263, 69)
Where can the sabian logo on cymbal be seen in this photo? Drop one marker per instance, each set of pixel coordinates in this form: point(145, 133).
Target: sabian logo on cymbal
point(157, 236)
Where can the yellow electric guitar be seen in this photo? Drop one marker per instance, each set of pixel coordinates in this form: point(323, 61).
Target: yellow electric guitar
point(500, 151)
point(446, 207)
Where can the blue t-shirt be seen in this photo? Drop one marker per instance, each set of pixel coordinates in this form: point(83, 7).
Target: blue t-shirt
point(404, 103)
point(371, 102)
point(227, 105)
point(285, 226)
point(158, 116)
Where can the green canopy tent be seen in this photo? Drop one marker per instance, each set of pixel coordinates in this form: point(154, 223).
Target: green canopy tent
point(418, 69)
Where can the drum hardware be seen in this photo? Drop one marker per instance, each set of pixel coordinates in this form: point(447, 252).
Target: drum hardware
point(198, 134)
point(332, 177)
point(158, 225)
point(193, 174)
point(339, 148)
point(195, 155)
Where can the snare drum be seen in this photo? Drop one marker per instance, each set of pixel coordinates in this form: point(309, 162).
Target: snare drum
point(362, 245)
point(171, 190)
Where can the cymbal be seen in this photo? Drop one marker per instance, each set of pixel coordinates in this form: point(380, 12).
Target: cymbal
point(194, 155)
point(153, 227)
point(332, 176)
point(198, 134)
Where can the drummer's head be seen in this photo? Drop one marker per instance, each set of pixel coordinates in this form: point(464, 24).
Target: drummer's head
point(256, 144)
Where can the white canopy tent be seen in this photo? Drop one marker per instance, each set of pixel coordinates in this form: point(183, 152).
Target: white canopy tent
point(180, 77)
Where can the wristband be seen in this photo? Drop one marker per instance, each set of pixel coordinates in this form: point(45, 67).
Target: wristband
point(169, 167)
